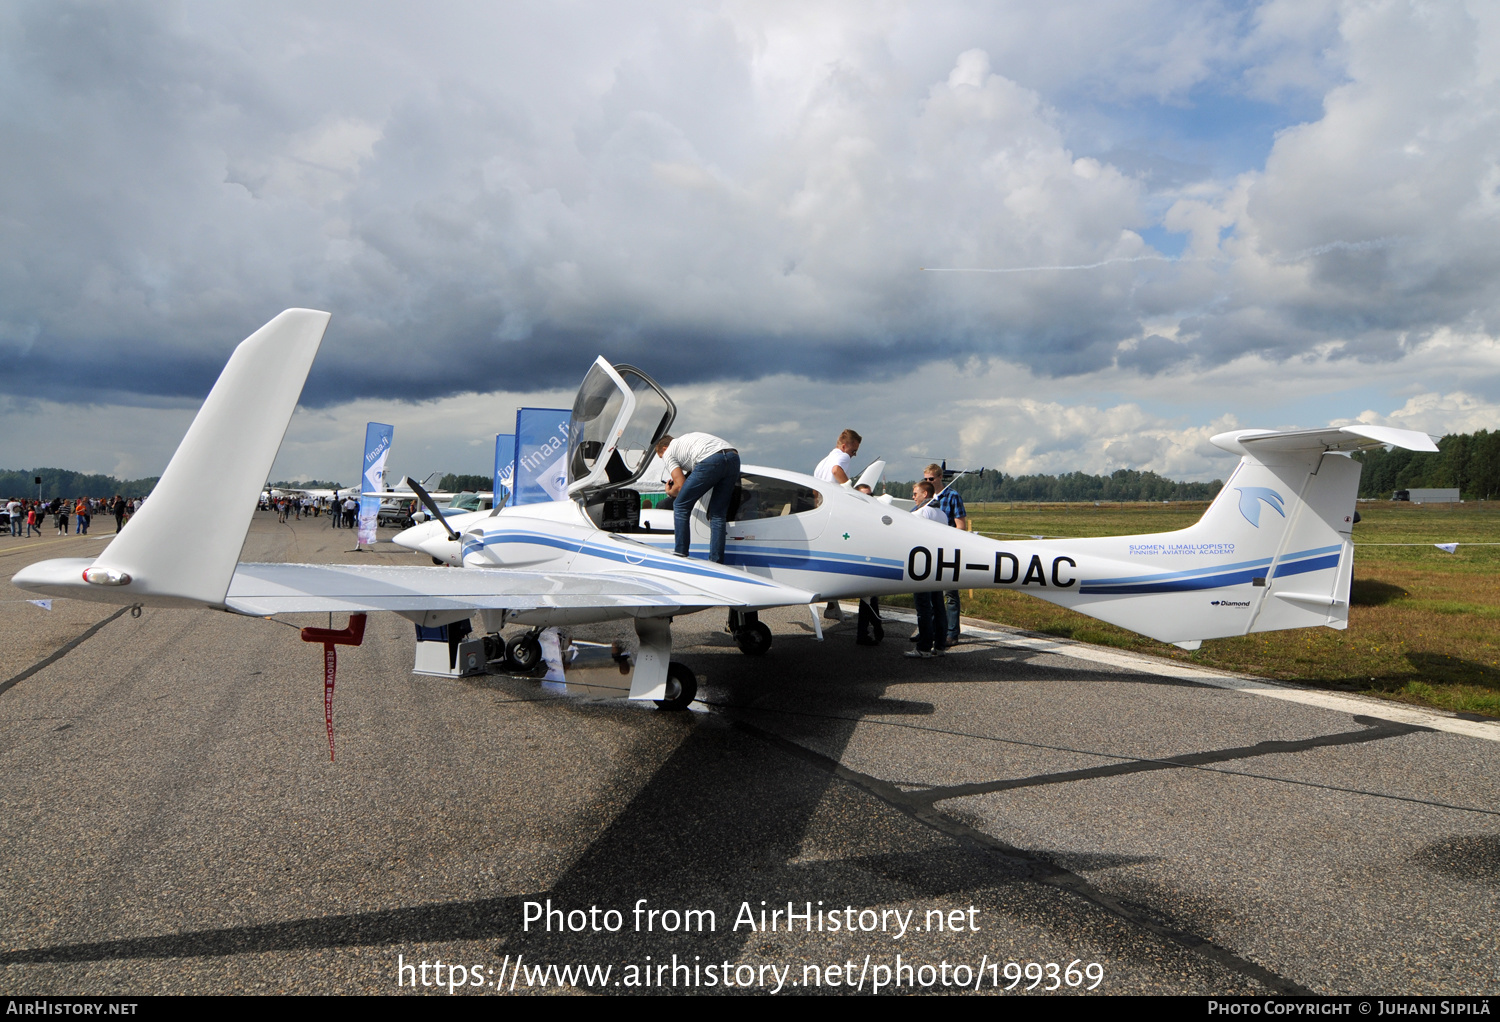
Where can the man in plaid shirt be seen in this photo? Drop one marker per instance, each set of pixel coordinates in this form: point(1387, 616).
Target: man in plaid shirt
point(951, 505)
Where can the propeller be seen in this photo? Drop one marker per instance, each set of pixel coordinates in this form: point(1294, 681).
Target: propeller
point(431, 505)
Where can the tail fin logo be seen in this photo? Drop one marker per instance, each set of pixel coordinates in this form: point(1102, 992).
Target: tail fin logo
point(1250, 498)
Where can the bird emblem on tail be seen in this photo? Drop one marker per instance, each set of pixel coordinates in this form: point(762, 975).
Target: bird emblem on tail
point(1250, 498)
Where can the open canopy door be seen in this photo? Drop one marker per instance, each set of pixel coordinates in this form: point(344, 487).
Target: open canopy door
point(618, 415)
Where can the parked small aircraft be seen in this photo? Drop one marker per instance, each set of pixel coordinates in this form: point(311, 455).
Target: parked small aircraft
point(1273, 551)
point(278, 492)
point(394, 502)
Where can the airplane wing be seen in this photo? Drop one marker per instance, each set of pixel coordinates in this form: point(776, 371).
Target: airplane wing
point(408, 494)
point(265, 589)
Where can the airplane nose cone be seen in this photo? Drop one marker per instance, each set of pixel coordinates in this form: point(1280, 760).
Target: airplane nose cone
point(432, 539)
point(408, 538)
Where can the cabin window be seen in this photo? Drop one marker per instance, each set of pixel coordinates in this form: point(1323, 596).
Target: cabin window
point(763, 497)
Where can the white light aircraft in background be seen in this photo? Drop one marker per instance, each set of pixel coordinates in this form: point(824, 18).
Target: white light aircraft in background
point(278, 492)
point(1272, 552)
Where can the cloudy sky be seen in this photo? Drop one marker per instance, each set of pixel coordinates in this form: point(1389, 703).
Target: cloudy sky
point(1074, 236)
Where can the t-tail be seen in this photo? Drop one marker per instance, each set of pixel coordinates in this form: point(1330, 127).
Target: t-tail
point(1273, 551)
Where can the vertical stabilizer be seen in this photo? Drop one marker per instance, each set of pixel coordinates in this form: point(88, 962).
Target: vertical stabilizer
point(1291, 513)
point(1272, 551)
point(184, 543)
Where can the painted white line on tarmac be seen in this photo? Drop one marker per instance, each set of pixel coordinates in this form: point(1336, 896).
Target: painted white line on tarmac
point(1364, 705)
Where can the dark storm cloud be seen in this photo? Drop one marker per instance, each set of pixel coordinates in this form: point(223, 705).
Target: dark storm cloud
point(488, 199)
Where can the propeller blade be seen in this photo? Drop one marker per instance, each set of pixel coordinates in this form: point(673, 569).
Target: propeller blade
point(431, 506)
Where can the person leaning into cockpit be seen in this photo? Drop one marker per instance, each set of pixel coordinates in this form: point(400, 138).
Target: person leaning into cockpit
point(695, 464)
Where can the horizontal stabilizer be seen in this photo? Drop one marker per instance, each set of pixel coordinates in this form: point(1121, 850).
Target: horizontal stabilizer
point(1358, 437)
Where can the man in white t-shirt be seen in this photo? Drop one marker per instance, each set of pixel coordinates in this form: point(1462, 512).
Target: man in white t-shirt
point(835, 467)
point(692, 465)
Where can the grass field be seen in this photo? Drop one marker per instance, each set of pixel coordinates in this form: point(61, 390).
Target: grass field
point(1423, 624)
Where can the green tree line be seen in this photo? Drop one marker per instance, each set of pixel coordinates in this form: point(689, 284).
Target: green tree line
point(452, 483)
point(1469, 461)
point(308, 484)
point(60, 482)
point(1121, 485)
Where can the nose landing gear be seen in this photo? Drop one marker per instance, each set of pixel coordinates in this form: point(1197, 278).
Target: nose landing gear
point(523, 653)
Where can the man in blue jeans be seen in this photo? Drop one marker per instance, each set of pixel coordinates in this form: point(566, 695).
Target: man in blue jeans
point(931, 626)
point(695, 464)
point(953, 509)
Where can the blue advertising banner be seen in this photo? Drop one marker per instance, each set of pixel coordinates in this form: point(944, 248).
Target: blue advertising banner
point(541, 455)
point(505, 467)
point(372, 477)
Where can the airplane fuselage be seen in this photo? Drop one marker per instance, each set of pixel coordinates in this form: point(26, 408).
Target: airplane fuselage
point(847, 545)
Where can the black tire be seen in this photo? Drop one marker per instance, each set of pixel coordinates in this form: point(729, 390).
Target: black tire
point(523, 654)
point(682, 688)
point(754, 640)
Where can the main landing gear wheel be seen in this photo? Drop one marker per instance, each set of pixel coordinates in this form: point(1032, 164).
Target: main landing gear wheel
point(682, 688)
point(754, 640)
point(523, 653)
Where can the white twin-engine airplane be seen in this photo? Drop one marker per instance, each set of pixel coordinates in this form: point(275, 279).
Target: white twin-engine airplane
point(1272, 551)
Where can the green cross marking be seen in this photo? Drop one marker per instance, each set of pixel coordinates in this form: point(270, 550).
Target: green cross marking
point(846, 535)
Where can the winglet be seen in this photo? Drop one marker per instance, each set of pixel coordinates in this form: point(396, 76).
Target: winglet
point(171, 551)
point(871, 476)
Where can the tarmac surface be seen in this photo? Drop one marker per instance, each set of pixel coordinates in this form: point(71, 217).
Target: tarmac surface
point(172, 823)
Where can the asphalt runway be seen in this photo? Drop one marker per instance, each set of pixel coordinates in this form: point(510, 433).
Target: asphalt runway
point(172, 822)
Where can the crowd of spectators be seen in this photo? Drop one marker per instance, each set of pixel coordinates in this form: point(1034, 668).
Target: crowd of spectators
point(26, 517)
point(342, 514)
point(21, 516)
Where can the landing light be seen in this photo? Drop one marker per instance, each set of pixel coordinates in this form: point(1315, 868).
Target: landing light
point(105, 577)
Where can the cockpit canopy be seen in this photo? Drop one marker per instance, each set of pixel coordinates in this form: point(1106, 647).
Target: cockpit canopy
point(618, 415)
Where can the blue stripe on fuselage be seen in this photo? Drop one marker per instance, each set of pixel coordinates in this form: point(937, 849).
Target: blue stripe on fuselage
point(646, 558)
point(824, 561)
point(1311, 564)
point(1198, 578)
point(810, 562)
